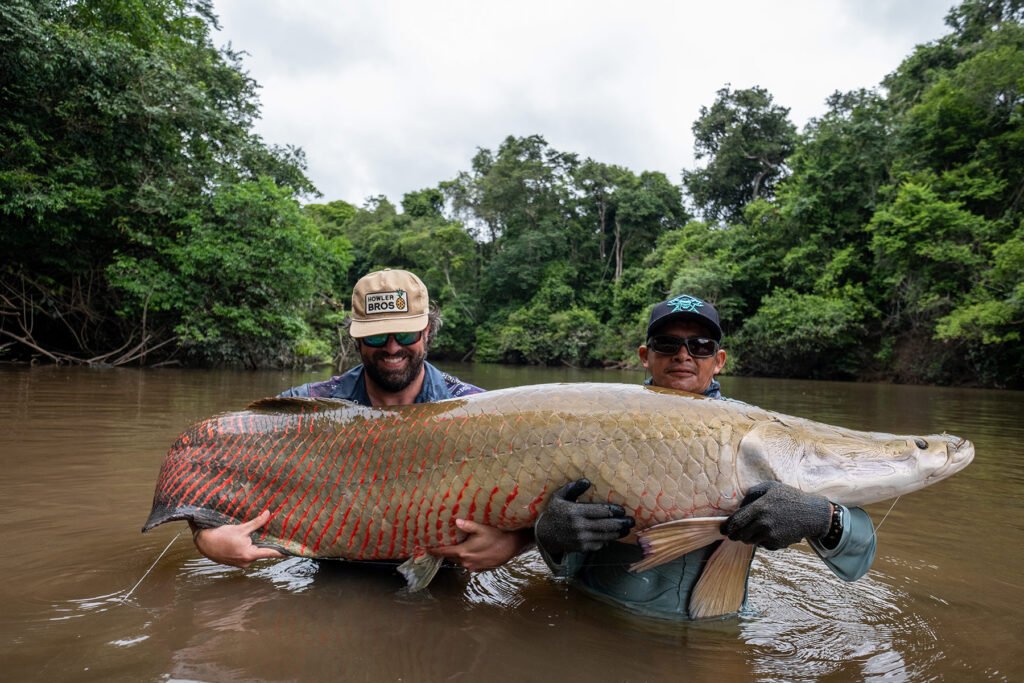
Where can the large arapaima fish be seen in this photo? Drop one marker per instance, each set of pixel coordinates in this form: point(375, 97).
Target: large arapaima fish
point(347, 481)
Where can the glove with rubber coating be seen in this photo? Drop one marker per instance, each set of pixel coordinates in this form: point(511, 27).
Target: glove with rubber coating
point(775, 515)
point(566, 526)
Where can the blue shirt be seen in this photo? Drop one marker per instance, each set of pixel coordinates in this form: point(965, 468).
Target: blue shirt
point(351, 386)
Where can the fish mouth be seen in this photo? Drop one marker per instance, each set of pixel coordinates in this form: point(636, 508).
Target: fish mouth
point(959, 454)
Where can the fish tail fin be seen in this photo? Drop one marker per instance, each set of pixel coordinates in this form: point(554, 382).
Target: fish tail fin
point(203, 517)
point(419, 570)
point(665, 542)
point(723, 583)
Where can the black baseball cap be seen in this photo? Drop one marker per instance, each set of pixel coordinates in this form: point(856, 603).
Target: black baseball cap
point(686, 307)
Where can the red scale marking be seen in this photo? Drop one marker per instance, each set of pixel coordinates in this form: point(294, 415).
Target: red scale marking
point(267, 488)
point(298, 503)
point(420, 531)
point(394, 532)
point(275, 492)
point(374, 458)
point(184, 468)
point(225, 471)
point(356, 452)
point(350, 451)
point(339, 471)
point(237, 506)
point(535, 503)
point(253, 463)
point(189, 472)
point(416, 529)
point(355, 530)
point(396, 499)
point(412, 458)
point(328, 456)
point(439, 456)
point(195, 479)
point(408, 512)
point(380, 536)
point(487, 508)
point(366, 457)
point(458, 499)
point(395, 438)
point(502, 517)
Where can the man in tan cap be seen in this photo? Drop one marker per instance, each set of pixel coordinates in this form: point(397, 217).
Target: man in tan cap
point(393, 323)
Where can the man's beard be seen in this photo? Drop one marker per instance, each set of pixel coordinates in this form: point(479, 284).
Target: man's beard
point(396, 379)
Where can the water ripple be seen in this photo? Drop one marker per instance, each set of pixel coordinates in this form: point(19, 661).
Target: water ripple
point(808, 624)
point(504, 587)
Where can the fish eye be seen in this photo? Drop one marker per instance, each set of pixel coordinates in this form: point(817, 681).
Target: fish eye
point(921, 443)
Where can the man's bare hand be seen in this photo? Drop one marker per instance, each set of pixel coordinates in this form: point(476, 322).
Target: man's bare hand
point(485, 547)
point(231, 544)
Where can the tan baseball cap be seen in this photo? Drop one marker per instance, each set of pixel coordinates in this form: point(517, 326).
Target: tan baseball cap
point(389, 301)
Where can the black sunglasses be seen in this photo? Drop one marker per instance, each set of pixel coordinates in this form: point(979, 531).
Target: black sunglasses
point(403, 338)
point(698, 347)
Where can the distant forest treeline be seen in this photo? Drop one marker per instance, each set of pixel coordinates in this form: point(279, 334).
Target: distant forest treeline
point(145, 222)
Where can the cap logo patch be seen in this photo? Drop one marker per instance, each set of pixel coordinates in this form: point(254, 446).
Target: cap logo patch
point(685, 303)
point(387, 302)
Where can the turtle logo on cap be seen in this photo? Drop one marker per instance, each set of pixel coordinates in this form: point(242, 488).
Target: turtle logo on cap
point(685, 303)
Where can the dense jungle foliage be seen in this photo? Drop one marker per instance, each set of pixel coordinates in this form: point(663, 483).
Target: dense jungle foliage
point(145, 222)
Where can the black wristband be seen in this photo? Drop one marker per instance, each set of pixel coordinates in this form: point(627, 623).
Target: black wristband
point(835, 529)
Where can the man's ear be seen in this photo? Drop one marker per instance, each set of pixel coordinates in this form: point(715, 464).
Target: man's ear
point(642, 352)
point(719, 360)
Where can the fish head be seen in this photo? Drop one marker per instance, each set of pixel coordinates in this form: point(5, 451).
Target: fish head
point(847, 466)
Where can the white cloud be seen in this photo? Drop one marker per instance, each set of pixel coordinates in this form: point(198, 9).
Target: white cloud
point(390, 96)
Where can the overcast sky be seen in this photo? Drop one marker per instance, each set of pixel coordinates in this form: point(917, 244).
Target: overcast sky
point(390, 96)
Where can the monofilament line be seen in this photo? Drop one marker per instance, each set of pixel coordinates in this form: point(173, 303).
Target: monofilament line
point(879, 525)
point(129, 593)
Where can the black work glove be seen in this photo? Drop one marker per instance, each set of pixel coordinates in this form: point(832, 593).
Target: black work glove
point(566, 526)
point(775, 515)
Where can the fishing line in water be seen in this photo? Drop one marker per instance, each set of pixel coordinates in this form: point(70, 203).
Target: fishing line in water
point(129, 593)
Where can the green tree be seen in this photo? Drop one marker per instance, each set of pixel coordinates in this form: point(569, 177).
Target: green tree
point(120, 120)
point(948, 231)
point(838, 168)
point(745, 138)
point(803, 335)
point(239, 287)
point(521, 195)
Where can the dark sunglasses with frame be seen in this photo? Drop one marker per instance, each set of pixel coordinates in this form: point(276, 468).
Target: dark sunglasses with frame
point(697, 347)
point(403, 338)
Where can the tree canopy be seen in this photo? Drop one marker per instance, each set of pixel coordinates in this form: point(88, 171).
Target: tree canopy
point(141, 214)
point(144, 221)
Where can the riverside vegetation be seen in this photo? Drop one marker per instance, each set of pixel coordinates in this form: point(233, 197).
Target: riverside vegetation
point(145, 222)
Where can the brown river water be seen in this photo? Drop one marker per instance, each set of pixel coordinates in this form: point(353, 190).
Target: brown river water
point(81, 448)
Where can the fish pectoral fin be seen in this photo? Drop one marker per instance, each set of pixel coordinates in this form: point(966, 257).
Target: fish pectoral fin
point(723, 583)
point(419, 570)
point(665, 542)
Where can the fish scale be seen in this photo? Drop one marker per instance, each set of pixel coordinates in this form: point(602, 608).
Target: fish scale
point(347, 481)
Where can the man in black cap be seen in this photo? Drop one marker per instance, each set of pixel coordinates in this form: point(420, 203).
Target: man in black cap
point(683, 351)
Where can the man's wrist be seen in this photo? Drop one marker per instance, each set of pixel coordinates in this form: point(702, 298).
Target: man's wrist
point(835, 528)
